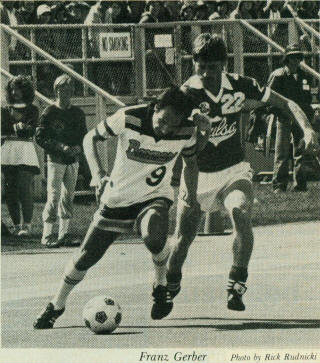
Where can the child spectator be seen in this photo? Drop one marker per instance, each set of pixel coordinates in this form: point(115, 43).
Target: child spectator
point(18, 155)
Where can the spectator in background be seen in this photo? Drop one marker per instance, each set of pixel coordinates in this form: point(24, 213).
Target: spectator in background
point(151, 14)
point(75, 13)
point(59, 14)
point(307, 10)
point(60, 134)
point(44, 14)
point(212, 7)
point(96, 15)
point(201, 11)
point(18, 155)
point(243, 10)
point(118, 75)
point(61, 36)
point(45, 39)
point(222, 11)
point(293, 83)
point(75, 16)
point(278, 32)
point(10, 14)
point(27, 13)
point(136, 8)
point(117, 13)
point(187, 12)
point(173, 9)
point(257, 9)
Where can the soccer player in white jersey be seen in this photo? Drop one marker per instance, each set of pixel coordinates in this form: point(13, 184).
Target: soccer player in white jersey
point(224, 177)
point(137, 194)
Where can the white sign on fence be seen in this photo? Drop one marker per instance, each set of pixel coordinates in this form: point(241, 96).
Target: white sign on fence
point(115, 45)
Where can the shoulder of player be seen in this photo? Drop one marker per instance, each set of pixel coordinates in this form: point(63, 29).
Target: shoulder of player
point(279, 72)
point(237, 80)
point(191, 84)
point(134, 115)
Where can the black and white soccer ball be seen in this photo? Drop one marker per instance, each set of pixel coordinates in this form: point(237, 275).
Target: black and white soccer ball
point(102, 314)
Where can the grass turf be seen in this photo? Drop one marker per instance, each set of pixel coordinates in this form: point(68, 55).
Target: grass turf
point(268, 209)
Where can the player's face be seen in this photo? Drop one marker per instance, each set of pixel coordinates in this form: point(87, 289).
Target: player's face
point(293, 62)
point(166, 121)
point(17, 94)
point(65, 91)
point(209, 71)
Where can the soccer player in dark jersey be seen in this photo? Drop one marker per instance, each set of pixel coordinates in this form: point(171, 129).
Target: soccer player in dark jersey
point(138, 193)
point(224, 177)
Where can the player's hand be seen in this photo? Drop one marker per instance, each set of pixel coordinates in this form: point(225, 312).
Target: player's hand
point(202, 122)
point(20, 126)
point(311, 142)
point(100, 187)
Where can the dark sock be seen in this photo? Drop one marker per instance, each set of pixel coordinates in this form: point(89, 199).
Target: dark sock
point(238, 273)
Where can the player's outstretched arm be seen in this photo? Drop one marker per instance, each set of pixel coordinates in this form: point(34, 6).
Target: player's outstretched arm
point(91, 152)
point(294, 112)
point(98, 173)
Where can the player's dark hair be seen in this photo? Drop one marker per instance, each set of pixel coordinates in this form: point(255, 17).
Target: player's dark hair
point(23, 83)
point(175, 98)
point(209, 48)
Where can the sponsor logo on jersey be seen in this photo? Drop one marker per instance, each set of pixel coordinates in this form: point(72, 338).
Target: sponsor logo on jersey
point(222, 131)
point(137, 153)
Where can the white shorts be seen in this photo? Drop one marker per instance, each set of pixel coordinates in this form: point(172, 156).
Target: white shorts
point(211, 186)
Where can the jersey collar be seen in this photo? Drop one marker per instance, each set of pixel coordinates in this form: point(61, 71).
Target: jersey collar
point(195, 82)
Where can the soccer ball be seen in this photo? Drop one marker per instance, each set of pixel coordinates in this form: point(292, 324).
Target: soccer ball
point(102, 314)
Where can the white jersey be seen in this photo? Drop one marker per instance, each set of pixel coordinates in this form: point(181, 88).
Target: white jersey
point(144, 162)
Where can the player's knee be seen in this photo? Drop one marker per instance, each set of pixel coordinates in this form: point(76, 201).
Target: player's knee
point(238, 201)
point(154, 230)
point(95, 244)
point(187, 223)
point(87, 258)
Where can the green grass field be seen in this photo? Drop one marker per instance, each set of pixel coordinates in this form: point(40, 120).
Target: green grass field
point(268, 209)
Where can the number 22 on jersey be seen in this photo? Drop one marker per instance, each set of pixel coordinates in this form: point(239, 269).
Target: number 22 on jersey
point(232, 103)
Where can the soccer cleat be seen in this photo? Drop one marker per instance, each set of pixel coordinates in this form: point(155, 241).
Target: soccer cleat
point(25, 231)
point(235, 291)
point(174, 283)
point(68, 241)
point(162, 304)
point(49, 241)
point(47, 318)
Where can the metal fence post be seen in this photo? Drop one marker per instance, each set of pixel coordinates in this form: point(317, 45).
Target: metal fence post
point(84, 57)
point(140, 62)
point(33, 58)
point(178, 59)
point(238, 48)
point(293, 35)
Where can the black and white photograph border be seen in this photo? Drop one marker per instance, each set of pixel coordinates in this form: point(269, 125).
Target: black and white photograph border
point(76, 74)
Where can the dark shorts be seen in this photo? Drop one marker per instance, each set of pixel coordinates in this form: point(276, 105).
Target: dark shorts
point(123, 219)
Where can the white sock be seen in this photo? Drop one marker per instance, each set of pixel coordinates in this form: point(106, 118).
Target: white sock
point(160, 265)
point(47, 229)
point(71, 278)
point(63, 227)
point(17, 228)
point(27, 226)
